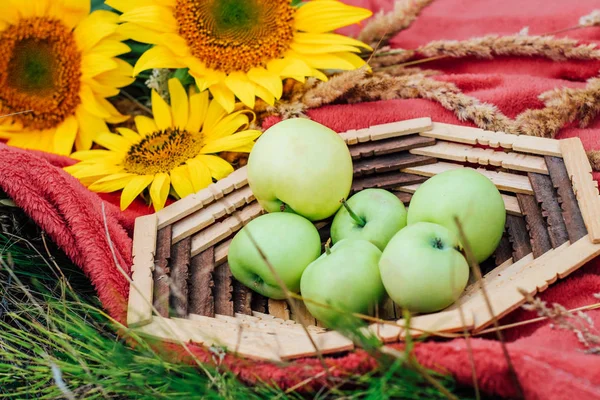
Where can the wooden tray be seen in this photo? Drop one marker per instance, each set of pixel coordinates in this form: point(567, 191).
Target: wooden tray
point(183, 290)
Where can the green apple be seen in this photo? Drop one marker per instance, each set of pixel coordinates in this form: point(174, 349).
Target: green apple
point(468, 195)
point(289, 242)
point(371, 214)
point(301, 166)
point(345, 279)
point(422, 269)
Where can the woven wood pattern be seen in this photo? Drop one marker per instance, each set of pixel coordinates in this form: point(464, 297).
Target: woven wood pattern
point(183, 289)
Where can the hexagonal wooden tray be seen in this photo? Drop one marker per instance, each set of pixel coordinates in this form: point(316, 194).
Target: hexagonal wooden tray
point(183, 290)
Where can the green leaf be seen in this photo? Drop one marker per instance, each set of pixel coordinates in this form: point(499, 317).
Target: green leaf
point(99, 5)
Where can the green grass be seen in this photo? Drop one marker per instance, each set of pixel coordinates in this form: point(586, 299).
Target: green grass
point(56, 342)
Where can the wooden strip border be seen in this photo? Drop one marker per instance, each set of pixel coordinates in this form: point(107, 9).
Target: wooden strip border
point(502, 180)
point(385, 131)
point(465, 153)
point(139, 305)
point(520, 143)
point(584, 186)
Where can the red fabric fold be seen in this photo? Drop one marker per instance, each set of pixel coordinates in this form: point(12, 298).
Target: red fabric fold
point(551, 363)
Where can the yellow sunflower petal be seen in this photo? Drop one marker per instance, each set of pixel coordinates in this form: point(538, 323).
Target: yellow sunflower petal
point(223, 96)
point(97, 171)
point(327, 38)
point(219, 168)
point(115, 116)
point(228, 126)
point(156, 57)
point(243, 88)
point(154, 17)
point(324, 48)
point(140, 34)
point(198, 111)
point(264, 94)
point(176, 44)
point(129, 134)
point(132, 190)
point(268, 80)
point(319, 75)
point(111, 48)
point(89, 103)
point(89, 127)
point(181, 181)
point(127, 5)
point(145, 125)
point(214, 114)
point(229, 142)
point(120, 77)
point(328, 15)
point(94, 28)
point(64, 138)
point(208, 78)
point(289, 67)
point(114, 142)
point(243, 149)
point(111, 183)
point(96, 154)
point(93, 64)
point(325, 61)
point(159, 190)
point(179, 103)
point(161, 111)
point(199, 174)
point(354, 59)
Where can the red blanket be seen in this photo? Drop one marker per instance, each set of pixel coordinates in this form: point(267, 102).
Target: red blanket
point(549, 362)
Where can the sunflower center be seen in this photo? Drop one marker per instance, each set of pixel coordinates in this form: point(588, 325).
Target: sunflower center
point(162, 151)
point(236, 35)
point(40, 70)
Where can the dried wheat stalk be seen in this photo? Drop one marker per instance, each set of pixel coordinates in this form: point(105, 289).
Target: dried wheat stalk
point(514, 45)
point(592, 19)
point(594, 157)
point(382, 86)
point(562, 106)
point(577, 322)
point(383, 26)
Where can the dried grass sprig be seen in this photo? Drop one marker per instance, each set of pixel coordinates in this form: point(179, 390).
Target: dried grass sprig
point(577, 322)
point(562, 106)
point(383, 26)
point(514, 45)
point(594, 157)
point(591, 19)
point(329, 91)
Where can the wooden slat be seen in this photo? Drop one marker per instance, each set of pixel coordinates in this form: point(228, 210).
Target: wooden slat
point(180, 263)
point(220, 231)
point(521, 143)
point(194, 202)
point(208, 215)
point(388, 146)
point(404, 197)
point(386, 180)
point(161, 277)
point(465, 153)
point(201, 283)
point(503, 252)
point(518, 236)
point(502, 180)
point(279, 309)
point(223, 290)
point(580, 171)
point(386, 309)
point(259, 303)
point(390, 162)
point(547, 198)
point(568, 202)
point(385, 131)
point(511, 204)
point(303, 316)
point(536, 226)
point(139, 306)
point(242, 298)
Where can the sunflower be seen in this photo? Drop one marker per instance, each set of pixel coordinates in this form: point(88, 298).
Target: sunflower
point(243, 48)
point(57, 67)
point(175, 150)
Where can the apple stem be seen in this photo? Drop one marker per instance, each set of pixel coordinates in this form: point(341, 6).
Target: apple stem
point(355, 217)
point(327, 248)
